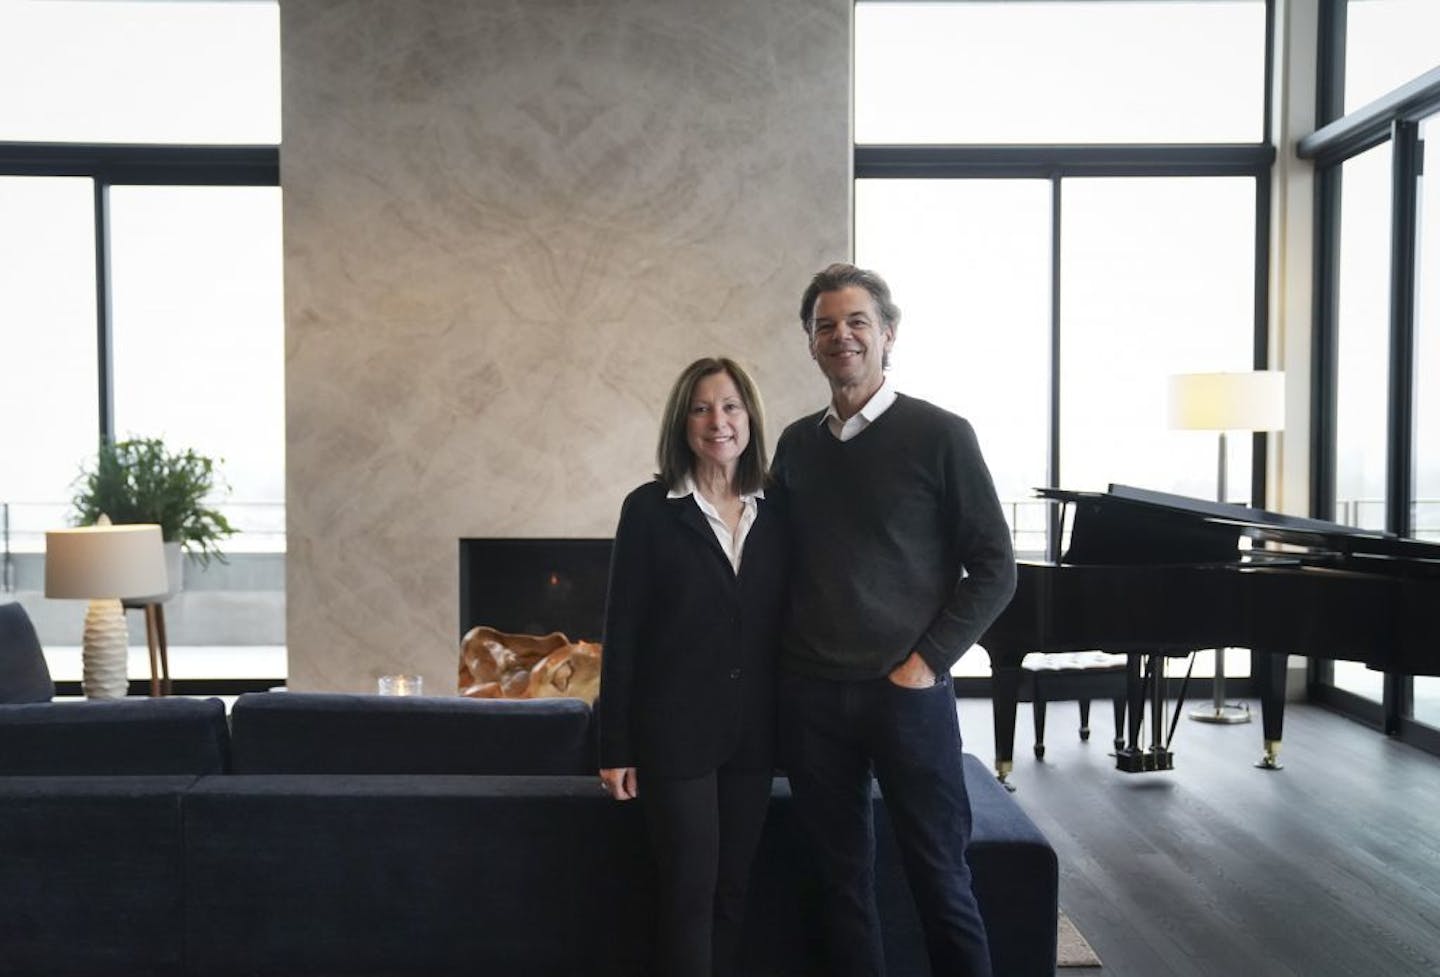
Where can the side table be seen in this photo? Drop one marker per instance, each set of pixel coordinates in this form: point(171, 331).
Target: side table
point(159, 646)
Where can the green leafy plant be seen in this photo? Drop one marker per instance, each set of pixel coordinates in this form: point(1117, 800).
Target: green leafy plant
point(140, 480)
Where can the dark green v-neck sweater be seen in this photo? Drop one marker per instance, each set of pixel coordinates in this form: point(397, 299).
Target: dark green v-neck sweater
point(899, 542)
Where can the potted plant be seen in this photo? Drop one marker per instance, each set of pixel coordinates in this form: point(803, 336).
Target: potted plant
point(140, 480)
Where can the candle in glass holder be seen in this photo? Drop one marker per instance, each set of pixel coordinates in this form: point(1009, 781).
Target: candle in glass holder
point(401, 684)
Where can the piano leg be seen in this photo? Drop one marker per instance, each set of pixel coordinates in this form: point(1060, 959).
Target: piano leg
point(1119, 723)
point(1269, 671)
point(1134, 702)
point(1135, 758)
point(1005, 686)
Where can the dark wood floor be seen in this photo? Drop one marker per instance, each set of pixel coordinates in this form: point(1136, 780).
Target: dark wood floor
point(1329, 867)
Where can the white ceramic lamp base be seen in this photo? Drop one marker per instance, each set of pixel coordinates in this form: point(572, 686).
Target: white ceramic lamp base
point(105, 652)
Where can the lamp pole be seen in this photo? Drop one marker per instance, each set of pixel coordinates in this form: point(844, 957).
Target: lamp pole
point(1219, 711)
point(1251, 401)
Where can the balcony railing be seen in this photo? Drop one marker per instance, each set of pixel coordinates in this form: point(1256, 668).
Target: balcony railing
point(260, 529)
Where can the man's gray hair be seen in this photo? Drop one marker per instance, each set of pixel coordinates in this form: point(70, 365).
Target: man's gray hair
point(842, 275)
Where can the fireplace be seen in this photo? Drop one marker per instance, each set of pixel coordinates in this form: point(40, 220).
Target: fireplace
point(535, 586)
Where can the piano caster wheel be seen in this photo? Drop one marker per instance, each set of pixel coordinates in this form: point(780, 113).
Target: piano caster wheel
point(1040, 751)
point(1084, 734)
point(1002, 774)
point(1119, 744)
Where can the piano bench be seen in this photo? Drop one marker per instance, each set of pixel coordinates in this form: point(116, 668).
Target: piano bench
point(1079, 676)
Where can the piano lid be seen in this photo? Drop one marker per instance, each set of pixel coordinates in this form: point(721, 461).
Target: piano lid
point(1136, 525)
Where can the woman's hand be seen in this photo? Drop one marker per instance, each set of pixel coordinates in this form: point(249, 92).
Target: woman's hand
point(619, 782)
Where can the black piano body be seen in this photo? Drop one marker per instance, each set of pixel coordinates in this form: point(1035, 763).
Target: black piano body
point(1152, 574)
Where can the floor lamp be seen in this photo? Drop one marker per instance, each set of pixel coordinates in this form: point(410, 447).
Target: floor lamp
point(1226, 402)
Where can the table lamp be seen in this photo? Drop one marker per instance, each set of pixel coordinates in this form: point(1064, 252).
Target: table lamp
point(1222, 402)
point(105, 564)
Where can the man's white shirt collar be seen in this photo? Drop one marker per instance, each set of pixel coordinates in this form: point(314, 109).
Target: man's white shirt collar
point(878, 404)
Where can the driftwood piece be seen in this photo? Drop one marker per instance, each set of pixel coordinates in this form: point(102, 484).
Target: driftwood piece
point(497, 665)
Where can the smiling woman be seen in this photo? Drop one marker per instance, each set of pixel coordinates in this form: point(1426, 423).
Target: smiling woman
point(692, 629)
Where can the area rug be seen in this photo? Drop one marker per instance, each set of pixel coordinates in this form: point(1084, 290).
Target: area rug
point(1072, 950)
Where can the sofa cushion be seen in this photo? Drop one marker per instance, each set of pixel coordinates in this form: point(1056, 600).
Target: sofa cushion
point(24, 676)
point(306, 733)
point(117, 736)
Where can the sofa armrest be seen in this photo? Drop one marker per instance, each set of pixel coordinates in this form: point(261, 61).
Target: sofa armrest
point(91, 875)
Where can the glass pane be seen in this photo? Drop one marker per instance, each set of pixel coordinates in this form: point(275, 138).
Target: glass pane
point(140, 72)
point(1363, 341)
point(49, 406)
point(199, 338)
point(1387, 43)
point(969, 264)
point(1427, 699)
point(1425, 519)
point(1362, 354)
point(1157, 278)
point(1052, 72)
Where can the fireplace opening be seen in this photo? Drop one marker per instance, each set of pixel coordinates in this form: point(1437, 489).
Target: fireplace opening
point(534, 586)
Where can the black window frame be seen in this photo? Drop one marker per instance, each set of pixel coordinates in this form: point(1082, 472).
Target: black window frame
point(1056, 162)
point(109, 165)
point(1394, 117)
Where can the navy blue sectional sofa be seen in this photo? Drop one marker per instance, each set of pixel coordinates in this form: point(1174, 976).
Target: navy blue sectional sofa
point(319, 834)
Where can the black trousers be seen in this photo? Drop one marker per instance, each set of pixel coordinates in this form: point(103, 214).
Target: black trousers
point(703, 832)
point(833, 734)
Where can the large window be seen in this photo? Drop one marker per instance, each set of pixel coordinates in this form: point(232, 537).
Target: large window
point(1074, 72)
point(970, 262)
point(1158, 278)
point(1425, 515)
point(140, 295)
point(1065, 224)
point(1378, 456)
point(48, 375)
point(1363, 333)
point(198, 339)
point(1387, 43)
point(1425, 518)
point(130, 71)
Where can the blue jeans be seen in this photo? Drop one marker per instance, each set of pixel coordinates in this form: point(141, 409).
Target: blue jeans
point(833, 735)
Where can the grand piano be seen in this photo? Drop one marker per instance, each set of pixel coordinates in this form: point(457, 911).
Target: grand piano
point(1155, 575)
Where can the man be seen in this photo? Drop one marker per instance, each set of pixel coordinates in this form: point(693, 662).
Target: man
point(902, 558)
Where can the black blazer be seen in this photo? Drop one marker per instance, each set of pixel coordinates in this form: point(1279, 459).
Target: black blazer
point(687, 678)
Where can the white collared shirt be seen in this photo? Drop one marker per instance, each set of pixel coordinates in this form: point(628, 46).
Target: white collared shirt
point(733, 545)
point(878, 404)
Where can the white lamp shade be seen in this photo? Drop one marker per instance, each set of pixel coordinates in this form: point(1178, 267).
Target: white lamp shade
point(105, 562)
point(1228, 401)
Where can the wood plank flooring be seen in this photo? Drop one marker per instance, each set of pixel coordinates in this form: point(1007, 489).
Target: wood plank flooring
point(1329, 867)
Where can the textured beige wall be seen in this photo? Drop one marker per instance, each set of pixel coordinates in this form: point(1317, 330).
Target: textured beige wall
point(507, 227)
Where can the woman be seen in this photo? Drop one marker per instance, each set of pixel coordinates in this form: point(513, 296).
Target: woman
point(692, 624)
